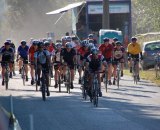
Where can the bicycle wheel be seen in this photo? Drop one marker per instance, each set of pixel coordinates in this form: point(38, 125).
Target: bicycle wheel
point(118, 78)
point(106, 80)
point(43, 92)
point(6, 79)
point(59, 82)
point(23, 75)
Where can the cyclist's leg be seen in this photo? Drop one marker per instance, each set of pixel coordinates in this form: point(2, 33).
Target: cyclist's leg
point(56, 76)
point(32, 73)
point(109, 70)
point(3, 72)
point(26, 68)
point(10, 69)
point(20, 62)
point(71, 66)
point(122, 66)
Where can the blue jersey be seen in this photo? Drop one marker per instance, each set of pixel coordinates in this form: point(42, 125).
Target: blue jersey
point(41, 56)
point(23, 51)
point(7, 54)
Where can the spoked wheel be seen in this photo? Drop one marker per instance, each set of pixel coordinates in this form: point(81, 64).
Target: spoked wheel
point(23, 75)
point(6, 80)
point(43, 92)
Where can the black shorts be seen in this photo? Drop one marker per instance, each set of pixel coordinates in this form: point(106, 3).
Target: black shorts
point(135, 57)
point(3, 63)
point(71, 66)
point(115, 61)
point(25, 60)
point(58, 64)
point(108, 60)
point(44, 67)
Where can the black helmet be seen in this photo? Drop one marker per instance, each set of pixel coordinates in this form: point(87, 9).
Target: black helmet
point(46, 43)
point(90, 36)
point(134, 39)
point(40, 44)
point(35, 42)
point(115, 39)
point(118, 43)
point(106, 39)
point(23, 42)
point(7, 43)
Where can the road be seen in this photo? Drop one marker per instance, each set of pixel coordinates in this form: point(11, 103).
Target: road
point(131, 107)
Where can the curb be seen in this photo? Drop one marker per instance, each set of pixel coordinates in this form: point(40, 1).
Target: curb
point(8, 121)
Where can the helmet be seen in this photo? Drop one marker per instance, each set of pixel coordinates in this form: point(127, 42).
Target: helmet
point(90, 36)
point(118, 43)
point(63, 38)
point(7, 43)
point(40, 44)
point(46, 43)
point(50, 39)
point(58, 45)
point(9, 40)
point(106, 39)
point(115, 39)
point(84, 43)
point(94, 50)
point(134, 39)
point(23, 42)
point(68, 38)
point(68, 45)
point(35, 42)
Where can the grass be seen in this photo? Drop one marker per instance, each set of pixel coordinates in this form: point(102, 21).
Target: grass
point(148, 75)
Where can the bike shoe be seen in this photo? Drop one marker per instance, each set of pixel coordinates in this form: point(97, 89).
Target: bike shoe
point(10, 75)
point(26, 78)
point(48, 93)
point(79, 81)
point(121, 73)
point(32, 82)
point(100, 94)
point(3, 82)
point(110, 83)
point(72, 86)
point(56, 85)
point(114, 82)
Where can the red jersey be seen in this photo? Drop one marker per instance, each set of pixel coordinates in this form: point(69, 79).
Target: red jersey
point(31, 53)
point(106, 50)
point(81, 51)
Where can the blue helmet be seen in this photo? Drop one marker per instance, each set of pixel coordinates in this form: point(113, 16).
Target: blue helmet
point(68, 45)
point(94, 51)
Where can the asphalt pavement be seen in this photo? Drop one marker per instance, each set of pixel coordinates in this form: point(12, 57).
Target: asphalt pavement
point(131, 107)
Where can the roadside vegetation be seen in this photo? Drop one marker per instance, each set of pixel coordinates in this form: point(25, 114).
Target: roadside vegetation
point(147, 75)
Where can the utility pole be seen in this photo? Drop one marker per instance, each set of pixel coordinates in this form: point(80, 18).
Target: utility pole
point(105, 18)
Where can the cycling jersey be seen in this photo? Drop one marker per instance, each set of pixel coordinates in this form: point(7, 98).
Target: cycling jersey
point(41, 56)
point(7, 54)
point(95, 63)
point(23, 51)
point(134, 48)
point(118, 53)
point(106, 50)
point(31, 53)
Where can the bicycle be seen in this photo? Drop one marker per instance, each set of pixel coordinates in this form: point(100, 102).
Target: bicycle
point(118, 71)
point(59, 76)
point(157, 64)
point(43, 84)
point(105, 80)
point(135, 70)
point(68, 79)
point(23, 73)
point(95, 89)
point(6, 75)
point(85, 84)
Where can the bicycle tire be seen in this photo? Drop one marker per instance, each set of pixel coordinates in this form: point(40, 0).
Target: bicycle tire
point(59, 82)
point(118, 78)
point(43, 92)
point(106, 81)
point(6, 80)
point(23, 75)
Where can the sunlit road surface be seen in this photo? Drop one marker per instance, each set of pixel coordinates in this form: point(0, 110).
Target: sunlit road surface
point(131, 107)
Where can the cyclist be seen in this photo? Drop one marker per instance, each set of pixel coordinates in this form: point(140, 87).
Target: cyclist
point(93, 63)
point(57, 62)
point(7, 55)
point(42, 61)
point(107, 50)
point(68, 54)
point(23, 53)
point(94, 41)
point(118, 56)
point(32, 50)
point(134, 51)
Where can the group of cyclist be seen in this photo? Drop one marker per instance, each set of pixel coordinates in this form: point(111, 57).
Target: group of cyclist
point(86, 55)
